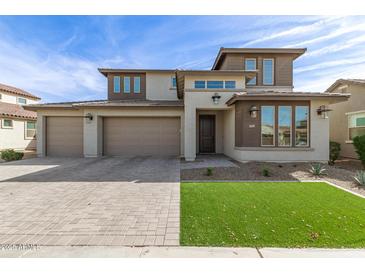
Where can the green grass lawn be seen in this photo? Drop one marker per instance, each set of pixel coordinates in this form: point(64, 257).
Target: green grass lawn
point(271, 215)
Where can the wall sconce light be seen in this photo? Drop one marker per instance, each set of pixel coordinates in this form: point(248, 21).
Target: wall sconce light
point(216, 98)
point(253, 111)
point(323, 111)
point(89, 116)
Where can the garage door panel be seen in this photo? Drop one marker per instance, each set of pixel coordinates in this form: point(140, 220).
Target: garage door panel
point(141, 136)
point(65, 136)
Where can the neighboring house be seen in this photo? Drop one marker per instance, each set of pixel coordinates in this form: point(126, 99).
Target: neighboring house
point(17, 125)
point(243, 107)
point(347, 119)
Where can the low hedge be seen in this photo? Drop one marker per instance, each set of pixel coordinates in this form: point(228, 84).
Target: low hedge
point(11, 155)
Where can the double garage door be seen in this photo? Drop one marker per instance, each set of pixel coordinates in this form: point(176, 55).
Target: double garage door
point(121, 136)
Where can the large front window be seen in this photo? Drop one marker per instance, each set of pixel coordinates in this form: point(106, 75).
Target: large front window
point(301, 126)
point(356, 124)
point(284, 126)
point(267, 125)
point(268, 71)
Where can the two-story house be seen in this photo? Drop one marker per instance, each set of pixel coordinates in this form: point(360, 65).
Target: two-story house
point(347, 120)
point(17, 125)
point(243, 107)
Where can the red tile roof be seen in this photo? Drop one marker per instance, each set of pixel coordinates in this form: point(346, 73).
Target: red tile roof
point(17, 91)
point(16, 111)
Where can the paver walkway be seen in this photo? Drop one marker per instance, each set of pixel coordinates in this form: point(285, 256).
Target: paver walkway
point(107, 201)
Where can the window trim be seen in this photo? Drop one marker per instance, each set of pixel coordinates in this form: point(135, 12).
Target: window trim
point(172, 82)
point(124, 84)
point(26, 129)
point(115, 77)
point(349, 114)
point(274, 126)
point(134, 84)
point(272, 74)
point(308, 126)
point(17, 100)
point(291, 125)
point(6, 127)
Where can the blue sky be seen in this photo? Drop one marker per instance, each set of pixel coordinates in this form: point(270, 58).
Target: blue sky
point(56, 57)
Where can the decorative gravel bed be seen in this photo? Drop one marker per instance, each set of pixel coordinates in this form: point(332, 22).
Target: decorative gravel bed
point(341, 174)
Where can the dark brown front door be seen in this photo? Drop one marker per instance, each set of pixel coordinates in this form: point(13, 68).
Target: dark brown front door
point(206, 133)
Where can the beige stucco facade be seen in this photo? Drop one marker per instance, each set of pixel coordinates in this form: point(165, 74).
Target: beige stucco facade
point(339, 131)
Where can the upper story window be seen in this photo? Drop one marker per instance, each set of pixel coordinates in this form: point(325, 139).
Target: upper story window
point(137, 84)
point(22, 101)
point(301, 126)
point(229, 84)
point(250, 65)
point(173, 82)
point(116, 84)
point(127, 84)
point(214, 84)
point(30, 131)
point(268, 71)
point(356, 125)
point(199, 84)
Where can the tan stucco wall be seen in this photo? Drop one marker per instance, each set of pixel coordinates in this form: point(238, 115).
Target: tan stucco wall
point(93, 137)
point(12, 98)
point(194, 101)
point(15, 137)
point(159, 86)
point(339, 119)
point(317, 152)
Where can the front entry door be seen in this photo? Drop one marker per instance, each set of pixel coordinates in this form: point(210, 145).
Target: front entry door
point(207, 134)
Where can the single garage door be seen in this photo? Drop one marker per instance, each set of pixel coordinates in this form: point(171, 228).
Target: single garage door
point(65, 136)
point(141, 136)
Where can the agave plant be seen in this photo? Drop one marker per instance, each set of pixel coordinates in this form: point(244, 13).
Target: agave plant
point(317, 169)
point(360, 177)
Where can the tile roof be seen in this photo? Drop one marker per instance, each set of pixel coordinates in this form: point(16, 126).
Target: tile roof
point(345, 81)
point(109, 103)
point(17, 91)
point(16, 111)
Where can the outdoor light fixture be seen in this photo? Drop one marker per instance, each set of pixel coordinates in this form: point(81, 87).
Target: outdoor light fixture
point(89, 116)
point(216, 98)
point(253, 111)
point(323, 110)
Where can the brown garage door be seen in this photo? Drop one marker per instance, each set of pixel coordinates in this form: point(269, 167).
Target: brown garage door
point(65, 136)
point(141, 136)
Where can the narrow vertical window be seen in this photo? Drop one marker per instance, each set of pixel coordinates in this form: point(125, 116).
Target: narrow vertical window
point(173, 82)
point(301, 126)
point(268, 71)
point(284, 126)
point(267, 125)
point(116, 84)
point(137, 84)
point(250, 65)
point(127, 84)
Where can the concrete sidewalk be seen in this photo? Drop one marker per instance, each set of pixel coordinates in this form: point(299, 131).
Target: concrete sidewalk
point(175, 252)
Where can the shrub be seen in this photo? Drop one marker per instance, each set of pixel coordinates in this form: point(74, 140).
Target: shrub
point(209, 171)
point(265, 172)
point(317, 169)
point(360, 177)
point(11, 155)
point(359, 143)
point(335, 149)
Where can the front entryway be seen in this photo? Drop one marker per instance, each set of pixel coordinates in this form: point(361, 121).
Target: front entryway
point(207, 134)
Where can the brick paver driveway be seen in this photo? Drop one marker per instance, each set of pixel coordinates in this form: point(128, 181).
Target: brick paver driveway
point(106, 201)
